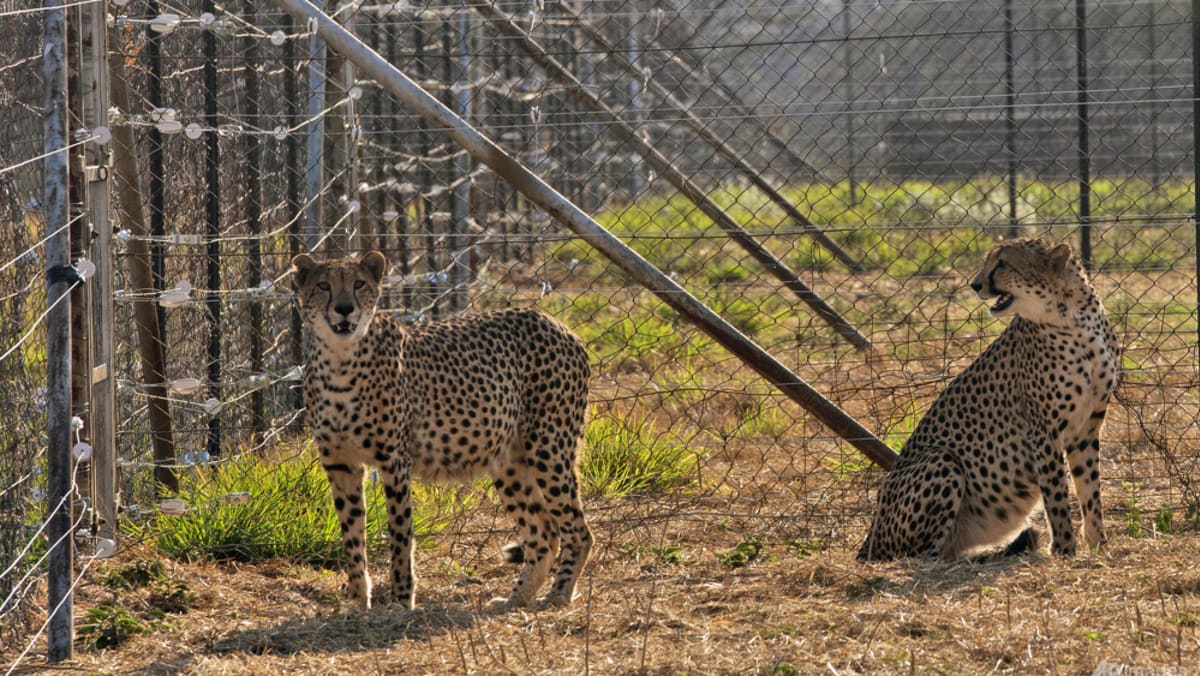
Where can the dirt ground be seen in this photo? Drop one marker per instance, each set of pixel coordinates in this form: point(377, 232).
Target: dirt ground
point(791, 608)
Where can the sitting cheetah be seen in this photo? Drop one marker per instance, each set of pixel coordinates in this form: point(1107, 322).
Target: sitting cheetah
point(991, 448)
point(502, 394)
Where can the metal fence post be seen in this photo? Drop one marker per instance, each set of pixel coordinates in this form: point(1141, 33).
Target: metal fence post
point(99, 210)
point(1010, 125)
point(212, 218)
point(848, 80)
point(460, 269)
point(157, 179)
point(56, 202)
point(1196, 156)
point(1085, 166)
point(80, 235)
point(254, 208)
point(314, 175)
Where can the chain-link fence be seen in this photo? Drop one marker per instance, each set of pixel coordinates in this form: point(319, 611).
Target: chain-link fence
point(871, 151)
point(22, 305)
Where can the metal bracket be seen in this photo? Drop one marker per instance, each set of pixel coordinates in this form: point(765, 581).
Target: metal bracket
point(96, 173)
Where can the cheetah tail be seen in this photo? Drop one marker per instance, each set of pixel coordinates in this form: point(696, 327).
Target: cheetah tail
point(514, 553)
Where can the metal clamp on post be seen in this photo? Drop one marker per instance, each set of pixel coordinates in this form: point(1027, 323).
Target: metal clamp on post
point(62, 273)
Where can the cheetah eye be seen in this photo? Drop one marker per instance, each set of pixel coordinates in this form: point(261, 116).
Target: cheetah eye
point(359, 284)
point(324, 286)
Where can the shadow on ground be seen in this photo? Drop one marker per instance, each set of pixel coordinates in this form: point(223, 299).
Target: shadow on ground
point(356, 631)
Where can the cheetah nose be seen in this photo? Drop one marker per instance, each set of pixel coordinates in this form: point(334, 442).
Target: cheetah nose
point(343, 309)
point(977, 286)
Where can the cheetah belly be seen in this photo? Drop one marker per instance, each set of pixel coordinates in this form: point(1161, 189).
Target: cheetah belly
point(458, 438)
point(459, 453)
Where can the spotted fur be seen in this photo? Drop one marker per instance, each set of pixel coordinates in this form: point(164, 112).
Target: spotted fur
point(992, 447)
point(500, 394)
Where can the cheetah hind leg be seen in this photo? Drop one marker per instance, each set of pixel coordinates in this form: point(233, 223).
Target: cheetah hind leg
point(566, 509)
point(918, 511)
point(576, 547)
point(522, 498)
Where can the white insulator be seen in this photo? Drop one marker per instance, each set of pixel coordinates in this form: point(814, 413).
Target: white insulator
point(165, 23)
point(181, 386)
point(169, 126)
point(173, 506)
point(82, 451)
point(105, 548)
point(212, 406)
point(85, 268)
point(177, 296)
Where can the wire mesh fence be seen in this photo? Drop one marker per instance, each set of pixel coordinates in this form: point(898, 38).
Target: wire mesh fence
point(873, 151)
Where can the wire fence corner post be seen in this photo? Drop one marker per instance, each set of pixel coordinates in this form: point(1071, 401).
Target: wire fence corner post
point(56, 202)
point(98, 156)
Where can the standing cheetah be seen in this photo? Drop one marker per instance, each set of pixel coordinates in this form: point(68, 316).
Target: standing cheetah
point(502, 394)
point(992, 447)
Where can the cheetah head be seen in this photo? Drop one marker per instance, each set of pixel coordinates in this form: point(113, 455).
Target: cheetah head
point(338, 296)
point(1033, 278)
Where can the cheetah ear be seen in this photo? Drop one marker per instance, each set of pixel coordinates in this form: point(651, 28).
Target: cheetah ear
point(1059, 256)
point(375, 264)
point(302, 265)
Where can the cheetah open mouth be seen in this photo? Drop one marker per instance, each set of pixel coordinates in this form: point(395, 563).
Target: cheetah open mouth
point(1002, 302)
point(343, 328)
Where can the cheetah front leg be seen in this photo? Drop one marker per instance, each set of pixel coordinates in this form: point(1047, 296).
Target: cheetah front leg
point(1052, 481)
point(397, 487)
point(1083, 456)
point(346, 485)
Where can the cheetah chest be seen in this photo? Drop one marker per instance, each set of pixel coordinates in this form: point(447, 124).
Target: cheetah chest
point(355, 415)
point(1072, 374)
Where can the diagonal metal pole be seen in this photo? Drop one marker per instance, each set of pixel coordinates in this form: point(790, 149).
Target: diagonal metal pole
point(668, 171)
point(706, 133)
point(641, 271)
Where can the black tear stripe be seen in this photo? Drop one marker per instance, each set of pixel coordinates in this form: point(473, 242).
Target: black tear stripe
point(337, 467)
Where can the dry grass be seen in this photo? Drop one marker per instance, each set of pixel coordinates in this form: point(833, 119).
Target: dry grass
point(647, 610)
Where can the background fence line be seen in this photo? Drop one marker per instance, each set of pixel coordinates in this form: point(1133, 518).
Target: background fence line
point(912, 135)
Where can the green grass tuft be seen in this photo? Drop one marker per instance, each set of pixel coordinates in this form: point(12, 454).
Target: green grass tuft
point(628, 455)
point(289, 513)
